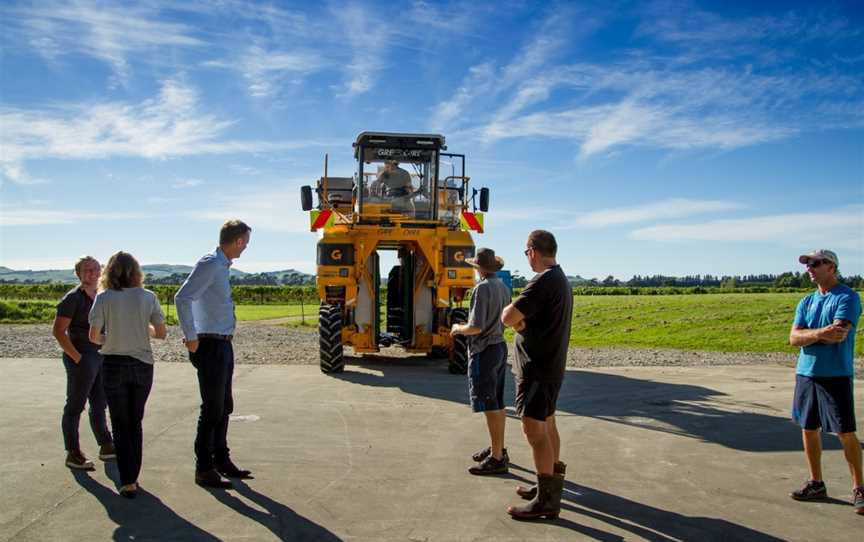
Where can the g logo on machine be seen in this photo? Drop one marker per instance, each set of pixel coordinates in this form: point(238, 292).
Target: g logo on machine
point(454, 256)
point(335, 254)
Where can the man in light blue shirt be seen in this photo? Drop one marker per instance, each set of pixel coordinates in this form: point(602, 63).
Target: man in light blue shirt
point(206, 313)
point(825, 325)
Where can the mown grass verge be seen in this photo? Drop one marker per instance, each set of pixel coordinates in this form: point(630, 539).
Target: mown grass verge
point(729, 323)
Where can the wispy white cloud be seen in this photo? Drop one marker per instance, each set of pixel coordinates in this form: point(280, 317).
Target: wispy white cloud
point(266, 70)
point(702, 34)
point(653, 98)
point(166, 126)
point(367, 47)
point(843, 227)
point(244, 170)
point(479, 81)
point(13, 215)
point(110, 32)
point(484, 81)
point(268, 208)
point(707, 108)
point(659, 210)
point(186, 183)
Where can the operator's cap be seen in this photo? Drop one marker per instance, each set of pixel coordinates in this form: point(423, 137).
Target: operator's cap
point(486, 260)
point(820, 254)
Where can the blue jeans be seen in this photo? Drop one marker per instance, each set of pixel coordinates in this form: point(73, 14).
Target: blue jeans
point(83, 382)
point(214, 361)
point(127, 386)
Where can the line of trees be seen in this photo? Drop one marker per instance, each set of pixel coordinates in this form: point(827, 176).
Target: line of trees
point(789, 279)
point(784, 280)
point(251, 279)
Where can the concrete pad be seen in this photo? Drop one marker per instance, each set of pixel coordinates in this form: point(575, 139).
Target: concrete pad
point(381, 452)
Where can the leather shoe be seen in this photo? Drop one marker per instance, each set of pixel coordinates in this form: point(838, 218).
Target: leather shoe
point(230, 470)
point(211, 478)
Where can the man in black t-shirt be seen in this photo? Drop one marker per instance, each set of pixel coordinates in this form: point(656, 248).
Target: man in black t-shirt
point(541, 317)
point(83, 364)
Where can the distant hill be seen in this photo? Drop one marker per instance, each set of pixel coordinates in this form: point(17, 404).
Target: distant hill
point(577, 280)
point(158, 273)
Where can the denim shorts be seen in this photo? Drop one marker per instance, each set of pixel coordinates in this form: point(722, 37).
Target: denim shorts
point(486, 376)
point(824, 402)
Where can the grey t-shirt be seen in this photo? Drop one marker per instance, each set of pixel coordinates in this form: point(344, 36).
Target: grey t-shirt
point(488, 300)
point(125, 315)
point(396, 182)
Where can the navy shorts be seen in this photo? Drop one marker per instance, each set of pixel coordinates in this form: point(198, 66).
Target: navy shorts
point(536, 399)
point(824, 402)
point(486, 375)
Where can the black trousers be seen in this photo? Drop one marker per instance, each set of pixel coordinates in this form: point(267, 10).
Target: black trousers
point(83, 383)
point(214, 361)
point(127, 385)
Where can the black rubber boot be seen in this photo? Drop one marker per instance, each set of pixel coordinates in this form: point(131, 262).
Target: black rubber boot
point(546, 504)
point(530, 492)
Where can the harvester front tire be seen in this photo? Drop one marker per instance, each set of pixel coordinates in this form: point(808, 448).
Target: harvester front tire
point(330, 339)
point(458, 360)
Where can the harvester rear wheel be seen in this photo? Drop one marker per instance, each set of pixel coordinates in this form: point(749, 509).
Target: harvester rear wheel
point(330, 338)
point(458, 360)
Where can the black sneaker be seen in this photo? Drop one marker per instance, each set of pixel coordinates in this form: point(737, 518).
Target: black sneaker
point(490, 465)
point(486, 452)
point(858, 500)
point(811, 491)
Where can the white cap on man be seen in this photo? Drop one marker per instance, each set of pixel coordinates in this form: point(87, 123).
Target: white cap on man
point(819, 254)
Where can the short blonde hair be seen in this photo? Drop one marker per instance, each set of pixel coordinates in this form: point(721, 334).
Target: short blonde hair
point(121, 271)
point(80, 263)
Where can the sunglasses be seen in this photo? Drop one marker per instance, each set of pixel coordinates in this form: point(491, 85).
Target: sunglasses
point(813, 264)
point(529, 249)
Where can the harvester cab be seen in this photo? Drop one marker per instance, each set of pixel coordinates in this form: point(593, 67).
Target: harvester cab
point(409, 196)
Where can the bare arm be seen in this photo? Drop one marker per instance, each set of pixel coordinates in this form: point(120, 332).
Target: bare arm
point(831, 334)
point(96, 335)
point(513, 317)
point(61, 326)
point(158, 331)
point(464, 329)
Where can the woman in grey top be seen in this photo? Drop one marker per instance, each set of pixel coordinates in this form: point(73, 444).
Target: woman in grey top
point(123, 318)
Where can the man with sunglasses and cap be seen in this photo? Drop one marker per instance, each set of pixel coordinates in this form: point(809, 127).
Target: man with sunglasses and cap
point(541, 316)
point(824, 327)
point(487, 361)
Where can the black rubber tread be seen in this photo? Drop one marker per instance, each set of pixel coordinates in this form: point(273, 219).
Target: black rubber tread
point(330, 338)
point(438, 352)
point(458, 359)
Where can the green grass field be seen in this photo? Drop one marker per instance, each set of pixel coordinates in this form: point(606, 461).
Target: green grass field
point(29, 311)
point(247, 313)
point(721, 322)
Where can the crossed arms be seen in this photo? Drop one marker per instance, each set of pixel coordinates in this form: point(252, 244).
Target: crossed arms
point(834, 333)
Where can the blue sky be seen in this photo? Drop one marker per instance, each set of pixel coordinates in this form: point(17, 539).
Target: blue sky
point(667, 137)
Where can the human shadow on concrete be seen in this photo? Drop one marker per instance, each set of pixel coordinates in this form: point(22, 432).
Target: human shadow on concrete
point(643, 521)
point(280, 519)
point(143, 518)
point(692, 411)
